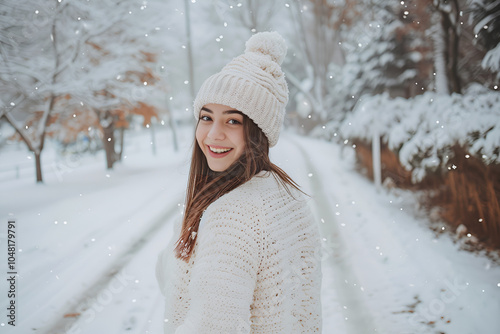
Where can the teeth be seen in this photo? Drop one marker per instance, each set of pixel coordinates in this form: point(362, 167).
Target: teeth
point(219, 150)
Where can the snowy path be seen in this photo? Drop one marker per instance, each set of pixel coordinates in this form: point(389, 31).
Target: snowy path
point(396, 275)
point(116, 279)
point(79, 233)
point(132, 302)
point(384, 271)
point(335, 258)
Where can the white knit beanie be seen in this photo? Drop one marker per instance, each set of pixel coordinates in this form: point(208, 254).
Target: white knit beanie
point(252, 83)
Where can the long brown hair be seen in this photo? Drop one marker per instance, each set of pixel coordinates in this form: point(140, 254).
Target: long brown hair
point(205, 186)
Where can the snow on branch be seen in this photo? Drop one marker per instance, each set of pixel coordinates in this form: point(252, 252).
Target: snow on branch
point(423, 130)
point(492, 60)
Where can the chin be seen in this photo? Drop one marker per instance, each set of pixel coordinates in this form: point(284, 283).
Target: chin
point(219, 166)
point(217, 169)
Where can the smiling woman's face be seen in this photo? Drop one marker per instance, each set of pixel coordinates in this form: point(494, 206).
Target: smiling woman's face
point(220, 135)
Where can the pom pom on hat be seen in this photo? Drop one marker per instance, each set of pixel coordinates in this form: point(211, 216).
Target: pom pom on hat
point(269, 43)
point(252, 83)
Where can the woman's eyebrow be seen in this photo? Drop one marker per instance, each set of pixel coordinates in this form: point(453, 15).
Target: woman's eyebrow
point(232, 111)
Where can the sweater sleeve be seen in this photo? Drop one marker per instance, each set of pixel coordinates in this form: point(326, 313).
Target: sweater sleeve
point(224, 273)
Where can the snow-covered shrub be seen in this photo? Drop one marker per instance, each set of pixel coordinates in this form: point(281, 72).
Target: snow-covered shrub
point(424, 129)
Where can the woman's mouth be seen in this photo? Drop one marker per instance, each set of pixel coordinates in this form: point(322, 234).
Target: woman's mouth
point(219, 152)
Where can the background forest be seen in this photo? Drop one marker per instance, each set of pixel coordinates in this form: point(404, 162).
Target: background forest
point(415, 80)
point(392, 128)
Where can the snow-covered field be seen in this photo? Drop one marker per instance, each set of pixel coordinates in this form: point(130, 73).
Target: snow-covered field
point(88, 240)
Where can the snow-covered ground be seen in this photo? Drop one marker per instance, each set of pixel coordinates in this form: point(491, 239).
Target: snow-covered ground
point(88, 240)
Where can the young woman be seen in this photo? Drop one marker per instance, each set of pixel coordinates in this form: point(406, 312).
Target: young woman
point(246, 258)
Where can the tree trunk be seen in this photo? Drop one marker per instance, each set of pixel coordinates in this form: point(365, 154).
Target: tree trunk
point(173, 127)
point(122, 140)
point(38, 167)
point(446, 48)
point(455, 78)
point(109, 145)
point(44, 121)
point(153, 138)
point(36, 151)
point(454, 50)
point(189, 50)
point(440, 57)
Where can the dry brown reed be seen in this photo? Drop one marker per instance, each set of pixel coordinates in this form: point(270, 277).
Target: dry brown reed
point(468, 194)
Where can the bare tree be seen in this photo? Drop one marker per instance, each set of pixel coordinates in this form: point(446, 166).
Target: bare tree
point(318, 25)
point(446, 37)
point(15, 57)
point(256, 15)
point(189, 49)
point(73, 56)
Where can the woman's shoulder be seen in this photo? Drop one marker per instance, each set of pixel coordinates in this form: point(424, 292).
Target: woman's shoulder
point(254, 190)
point(259, 184)
point(254, 205)
point(243, 197)
point(238, 210)
point(262, 189)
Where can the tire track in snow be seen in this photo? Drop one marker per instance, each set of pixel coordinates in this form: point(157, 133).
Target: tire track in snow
point(137, 307)
point(358, 318)
point(64, 325)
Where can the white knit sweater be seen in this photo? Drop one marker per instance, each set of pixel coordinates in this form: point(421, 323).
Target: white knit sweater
point(255, 267)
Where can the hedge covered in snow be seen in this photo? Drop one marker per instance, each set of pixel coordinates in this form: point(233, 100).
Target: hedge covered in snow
point(423, 130)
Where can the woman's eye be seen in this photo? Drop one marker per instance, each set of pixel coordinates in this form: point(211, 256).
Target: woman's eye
point(205, 118)
point(234, 121)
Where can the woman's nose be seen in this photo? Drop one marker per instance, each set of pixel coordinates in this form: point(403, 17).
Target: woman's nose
point(216, 132)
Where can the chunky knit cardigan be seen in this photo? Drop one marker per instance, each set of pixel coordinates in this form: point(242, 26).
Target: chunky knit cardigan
point(255, 267)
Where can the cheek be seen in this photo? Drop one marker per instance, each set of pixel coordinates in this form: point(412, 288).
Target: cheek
point(199, 135)
point(240, 138)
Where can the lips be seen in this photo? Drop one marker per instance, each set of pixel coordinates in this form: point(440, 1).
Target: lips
point(218, 152)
